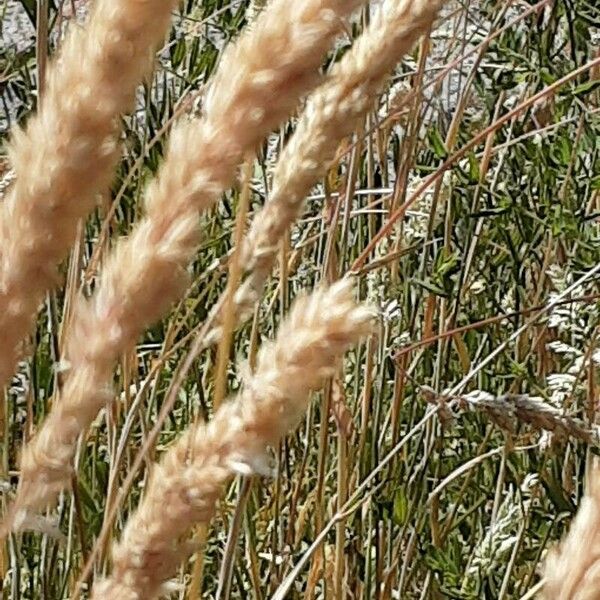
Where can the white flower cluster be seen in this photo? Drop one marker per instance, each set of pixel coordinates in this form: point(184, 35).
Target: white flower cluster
point(574, 324)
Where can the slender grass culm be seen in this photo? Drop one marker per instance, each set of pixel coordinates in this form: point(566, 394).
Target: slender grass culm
point(184, 487)
point(66, 154)
point(251, 92)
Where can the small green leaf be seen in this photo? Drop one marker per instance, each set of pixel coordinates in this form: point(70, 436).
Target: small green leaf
point(178, 52)
point(474, 172)
point(429, 286)
point(400, 510)
point(586, 88)
point(556, 493)
point(437, 143)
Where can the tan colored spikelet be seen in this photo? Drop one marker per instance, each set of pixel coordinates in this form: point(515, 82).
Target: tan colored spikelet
point(508, 410)
point(252, 91)
point(66, 154)
point(185, 487)
point(333, 112)
point(572, 570)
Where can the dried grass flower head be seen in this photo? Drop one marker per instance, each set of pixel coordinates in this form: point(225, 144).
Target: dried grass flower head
point(251, 92)
point(66, 154)
point(572, 569)
point(187, 483)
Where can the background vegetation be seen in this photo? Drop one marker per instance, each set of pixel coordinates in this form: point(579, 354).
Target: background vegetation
point(424, 479)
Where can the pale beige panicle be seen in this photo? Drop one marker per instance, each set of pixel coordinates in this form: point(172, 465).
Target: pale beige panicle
point(66, 154)
point(572, 570)
point(258, 81)
point(187, 483)
point(508, 410)
point(334, 111)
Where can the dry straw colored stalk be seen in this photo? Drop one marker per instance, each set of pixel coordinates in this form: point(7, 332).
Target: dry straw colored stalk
point(333, 112)
point(66, 154)
point(258, 82)
point(572, 570)
point(185, 486)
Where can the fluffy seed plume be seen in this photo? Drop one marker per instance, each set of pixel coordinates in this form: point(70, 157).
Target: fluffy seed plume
point(253, 90)
point(333, 112)
point(185, 487)
point(67, 152)
point(572, 570)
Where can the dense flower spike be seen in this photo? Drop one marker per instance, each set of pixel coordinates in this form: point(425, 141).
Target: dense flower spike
point(572, 570)
point(333, 112)
point(253, 90)
point(186, 485)
point(67, 152)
